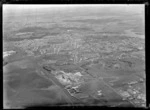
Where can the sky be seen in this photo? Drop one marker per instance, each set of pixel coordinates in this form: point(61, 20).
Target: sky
point(131, 7)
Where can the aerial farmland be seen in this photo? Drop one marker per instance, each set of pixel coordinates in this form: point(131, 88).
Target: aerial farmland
point(74, 55)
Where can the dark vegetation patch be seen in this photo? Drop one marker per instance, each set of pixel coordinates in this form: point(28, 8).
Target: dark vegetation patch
point(56, 57)
point(116, 68)
point(100, 38)
point(78, 29)
point(31, 33)
point(95, 21)
point(49, 67)
point(29, 36)
point(30, 29)
point(139, 33)
point(110, 79)
point(134, 63)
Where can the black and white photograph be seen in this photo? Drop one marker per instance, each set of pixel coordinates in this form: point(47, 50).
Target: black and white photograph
point(73, 55)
